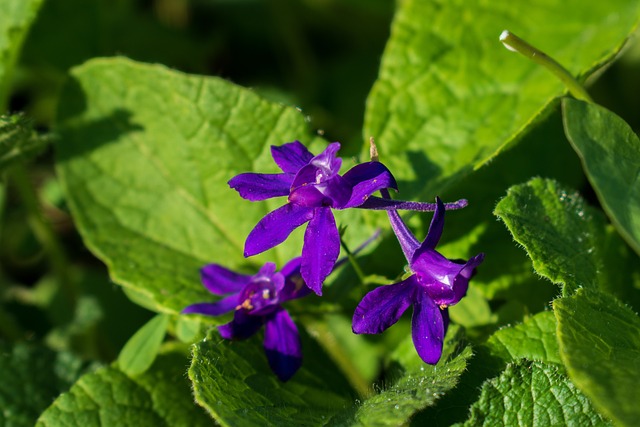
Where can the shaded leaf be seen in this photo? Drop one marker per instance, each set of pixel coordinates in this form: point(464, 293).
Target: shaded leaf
point(600, 345)
point(610, 153)
point(108, 397)
point(532, 394)
point(18, 141)
point(449, 97)
point(32, 376)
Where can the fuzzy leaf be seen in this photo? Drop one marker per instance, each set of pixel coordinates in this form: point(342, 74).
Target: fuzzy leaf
point(108, 397)
point(599, 342)
point(532, 394)
point(449, 97)
point(610, 153)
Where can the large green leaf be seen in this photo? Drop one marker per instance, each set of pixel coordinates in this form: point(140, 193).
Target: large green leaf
point(108, 397)
point(610, 153)
point(532, 394)
point(449, 97)
point(232, 380)
point(16, 17)
point(145, 154)
point(600, 345)
point(32, 376)
point(567, 240)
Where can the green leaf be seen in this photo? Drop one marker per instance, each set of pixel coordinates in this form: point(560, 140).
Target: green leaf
point(600, 345)
point(532, 394)
point(534, 339)
point(449, 97)
point(108, 397)
point(563, 236)
point(16, 17)
point(233, 381)
point(140, 351)
point(18, 141)
point(610, 153)
point(144, 156)
point(32, 375)
point(414, 384)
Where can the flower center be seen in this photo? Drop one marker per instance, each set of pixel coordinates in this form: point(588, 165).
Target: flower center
point(258, 297)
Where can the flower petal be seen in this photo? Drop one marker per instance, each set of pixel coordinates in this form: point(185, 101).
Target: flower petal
point(275, 227)
point(241, 327)
point(219, 280)
point(435, 230)
point(217, 308)
point(291, 157)
point(261, 186)
point(427, 328)
point(383, 306)
point(320, 250)
point(282, 345)
point(407, 240)
point(365, 179)
point(294, 285)
point(460, 289)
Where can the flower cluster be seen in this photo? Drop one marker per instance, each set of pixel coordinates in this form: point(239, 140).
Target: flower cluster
point(314, 187)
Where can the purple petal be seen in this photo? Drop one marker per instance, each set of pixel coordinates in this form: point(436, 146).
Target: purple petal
point(241, 327)
point(327, 160)
point(365, 179)
point(427, 328)
point(407, 240)
point(383, 306)
point(435, 230)
point(320, 250)
point(261, 186)
point(291, 157)
point(460, 289)
point(295, 286)
point(217, 308)
point(282, 345)
point(219, 280)
point(275, 227)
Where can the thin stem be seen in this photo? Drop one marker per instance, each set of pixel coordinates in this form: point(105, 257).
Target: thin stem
point(516, 44)
point(43, 230)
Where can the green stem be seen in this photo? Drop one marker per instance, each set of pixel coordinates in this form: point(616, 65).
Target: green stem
point(43, 231)
point(516, 44)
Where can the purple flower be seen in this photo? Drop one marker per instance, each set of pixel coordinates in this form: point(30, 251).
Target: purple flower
point(256, 300)
point(435, 284)
point(314, 187)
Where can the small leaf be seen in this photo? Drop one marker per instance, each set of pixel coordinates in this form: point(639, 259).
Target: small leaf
point(532, 394)
point(610, 153)
point(140, 351)
point(600, 345)
point(32, 375)
point(563, 236)
point(449, 97)
point(534, 339)
point(108, 397)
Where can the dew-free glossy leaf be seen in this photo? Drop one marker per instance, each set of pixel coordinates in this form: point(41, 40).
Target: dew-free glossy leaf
point(108, 397)
point(532, 394)
point(610, 153)
point(32, 376)
point(144, 156)
point(534, 339)
point(16, 16)
point(599, 342)
point(140, 351)
point(232, 380)
point(449, 97)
